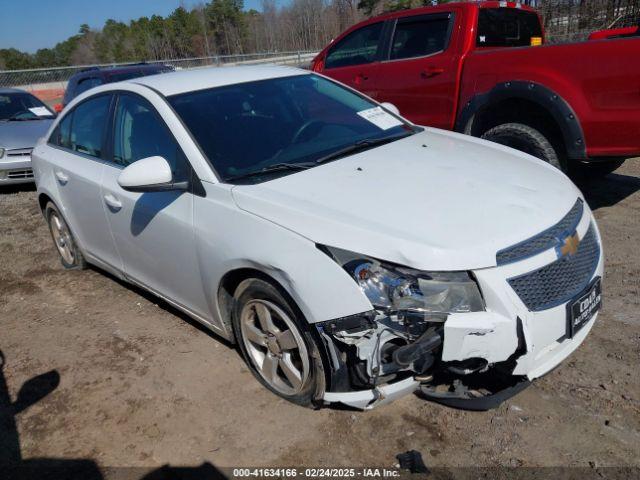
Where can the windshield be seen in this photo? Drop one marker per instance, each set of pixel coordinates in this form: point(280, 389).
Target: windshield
point(16, 106)
point(292, 121)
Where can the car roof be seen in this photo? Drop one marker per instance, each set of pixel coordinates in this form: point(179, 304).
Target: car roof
point(182, 81)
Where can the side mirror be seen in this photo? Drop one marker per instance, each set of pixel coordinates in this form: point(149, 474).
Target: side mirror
point(391, 107)
point(152, 174)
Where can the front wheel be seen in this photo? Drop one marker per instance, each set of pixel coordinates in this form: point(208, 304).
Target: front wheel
point(277, 344)
point(526, 139)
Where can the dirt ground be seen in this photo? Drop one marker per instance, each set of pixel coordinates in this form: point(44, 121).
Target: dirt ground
point(141, 385)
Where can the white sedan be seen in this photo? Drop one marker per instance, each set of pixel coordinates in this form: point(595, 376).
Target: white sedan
point(353, 256)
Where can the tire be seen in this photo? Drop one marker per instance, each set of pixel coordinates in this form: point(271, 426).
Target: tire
point(585, 171)
point(526, 139)
point(70, 255)
point(277, 344)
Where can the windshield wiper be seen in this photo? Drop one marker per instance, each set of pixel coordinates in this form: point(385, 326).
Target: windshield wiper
point(361, 145)
point(276, 167)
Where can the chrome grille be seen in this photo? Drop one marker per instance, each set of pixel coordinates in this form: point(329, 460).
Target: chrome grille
point(558, 282)
point(19, 152)
point(17, 174)
point(544, 240)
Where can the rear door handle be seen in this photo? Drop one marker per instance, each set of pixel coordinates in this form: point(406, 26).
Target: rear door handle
point(431, 72)
point(62, 178)
point(112, 202)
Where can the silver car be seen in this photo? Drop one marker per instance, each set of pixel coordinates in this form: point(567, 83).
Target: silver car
point(23, 120)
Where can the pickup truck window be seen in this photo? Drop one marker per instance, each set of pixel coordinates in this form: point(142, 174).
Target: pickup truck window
point(507, 27)
point(421, 36)
point(357, 48)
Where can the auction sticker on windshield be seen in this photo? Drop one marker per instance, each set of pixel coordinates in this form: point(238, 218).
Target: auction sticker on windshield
point(380, 118)
point(40, 111)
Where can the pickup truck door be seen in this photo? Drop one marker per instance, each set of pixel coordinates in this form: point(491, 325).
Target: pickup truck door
point(419, 73)
point(353, 60)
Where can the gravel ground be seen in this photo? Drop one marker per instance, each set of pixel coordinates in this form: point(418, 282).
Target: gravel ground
point(143, 386)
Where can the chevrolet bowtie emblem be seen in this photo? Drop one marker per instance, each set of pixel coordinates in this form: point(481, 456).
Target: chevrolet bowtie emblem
point(568, 245)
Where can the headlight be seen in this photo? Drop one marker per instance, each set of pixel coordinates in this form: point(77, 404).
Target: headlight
point(395, 288)
point(1, 152)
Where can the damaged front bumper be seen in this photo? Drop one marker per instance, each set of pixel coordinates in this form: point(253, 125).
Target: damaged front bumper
point(471, 360)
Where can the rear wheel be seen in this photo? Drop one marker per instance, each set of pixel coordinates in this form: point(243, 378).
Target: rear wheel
point(526, 139)
point(277, 344)
point(70, 255)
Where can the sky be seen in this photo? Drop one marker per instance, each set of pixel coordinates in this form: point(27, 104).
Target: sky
point(32, 24)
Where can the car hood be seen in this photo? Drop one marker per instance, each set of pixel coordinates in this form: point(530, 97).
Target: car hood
point(23, 134)
point(434, 201)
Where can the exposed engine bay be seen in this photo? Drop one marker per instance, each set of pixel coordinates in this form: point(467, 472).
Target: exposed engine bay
point(368, 353)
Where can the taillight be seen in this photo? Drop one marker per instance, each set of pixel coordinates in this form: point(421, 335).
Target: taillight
point(58, 107)
point(317, 64)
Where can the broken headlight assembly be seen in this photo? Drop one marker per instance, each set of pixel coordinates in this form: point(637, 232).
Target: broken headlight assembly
point(392, 288)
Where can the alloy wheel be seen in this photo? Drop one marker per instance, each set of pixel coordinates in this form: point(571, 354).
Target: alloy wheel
point(275, 346)
point(62, 238)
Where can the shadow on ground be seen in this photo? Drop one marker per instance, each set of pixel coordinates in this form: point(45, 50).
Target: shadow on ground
point(20, 187)
point(14, 467)
point(608, 190)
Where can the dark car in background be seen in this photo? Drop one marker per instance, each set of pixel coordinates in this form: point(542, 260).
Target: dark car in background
point(95, 76)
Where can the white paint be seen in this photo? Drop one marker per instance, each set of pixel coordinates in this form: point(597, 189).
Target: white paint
point(146, 172)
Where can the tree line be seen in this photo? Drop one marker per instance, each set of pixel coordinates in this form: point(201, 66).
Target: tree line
point(224, 27)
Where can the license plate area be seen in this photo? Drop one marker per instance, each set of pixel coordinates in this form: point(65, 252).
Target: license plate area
point(583, 308)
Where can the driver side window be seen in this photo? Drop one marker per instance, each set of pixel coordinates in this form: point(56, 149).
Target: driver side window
point(357, 48)
point(138, 132)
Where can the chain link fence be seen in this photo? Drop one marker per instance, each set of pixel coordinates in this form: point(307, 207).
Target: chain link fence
point(573, 20)
point(49, 83)
point(564, 21)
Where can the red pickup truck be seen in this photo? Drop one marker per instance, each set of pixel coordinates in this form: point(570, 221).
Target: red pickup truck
point(483, 69)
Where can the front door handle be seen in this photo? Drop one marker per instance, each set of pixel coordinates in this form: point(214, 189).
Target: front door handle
point(112, 202)
point(62, 178)
point(431, 72)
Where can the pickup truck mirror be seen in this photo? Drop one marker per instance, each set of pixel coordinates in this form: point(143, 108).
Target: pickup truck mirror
point(151, 174)
point(391, 107)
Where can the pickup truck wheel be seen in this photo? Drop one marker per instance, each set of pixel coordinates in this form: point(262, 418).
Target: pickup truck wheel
point(526, 139)
point(277, 344)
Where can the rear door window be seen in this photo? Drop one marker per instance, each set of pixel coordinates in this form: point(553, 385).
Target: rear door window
point(61, 136)
point(357, 48)
point(420, 36)
point(88, 124)
point(508, 27)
